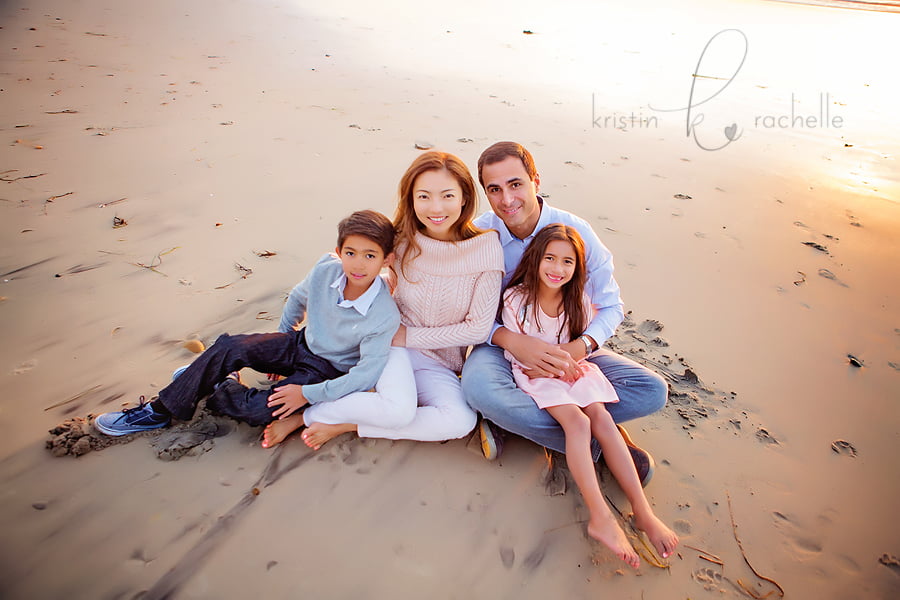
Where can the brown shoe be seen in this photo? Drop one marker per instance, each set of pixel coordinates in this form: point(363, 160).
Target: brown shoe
point(643, 462)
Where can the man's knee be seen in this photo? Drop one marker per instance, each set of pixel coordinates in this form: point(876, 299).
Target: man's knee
point(484, 378)
point(657, 392)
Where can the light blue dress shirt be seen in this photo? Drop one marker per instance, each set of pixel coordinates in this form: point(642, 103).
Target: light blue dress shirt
point(601, 285)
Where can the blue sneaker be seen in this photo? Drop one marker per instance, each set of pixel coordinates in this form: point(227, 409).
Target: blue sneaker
point(179, 371)
point(131, 420)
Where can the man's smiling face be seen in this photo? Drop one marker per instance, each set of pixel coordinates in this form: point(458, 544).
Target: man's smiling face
point(513, 195)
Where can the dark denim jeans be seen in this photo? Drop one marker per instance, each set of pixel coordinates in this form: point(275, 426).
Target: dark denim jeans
point(283, 353)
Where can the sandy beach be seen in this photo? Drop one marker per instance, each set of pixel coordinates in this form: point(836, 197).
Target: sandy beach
point(170, 170)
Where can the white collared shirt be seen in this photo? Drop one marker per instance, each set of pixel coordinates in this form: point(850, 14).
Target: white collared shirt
point(362, 303)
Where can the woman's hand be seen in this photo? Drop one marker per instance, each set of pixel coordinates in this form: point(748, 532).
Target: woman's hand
point(289, 397)
point(400, 337)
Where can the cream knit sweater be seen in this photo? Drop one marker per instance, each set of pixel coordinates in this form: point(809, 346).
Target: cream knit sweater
point(449, 294)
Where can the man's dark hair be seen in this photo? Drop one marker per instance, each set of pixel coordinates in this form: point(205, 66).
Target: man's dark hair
point(502, 150)
point(369, 224)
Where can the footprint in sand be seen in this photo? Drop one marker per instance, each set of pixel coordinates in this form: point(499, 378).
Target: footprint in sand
point(710, 580)
point(683, 527)
point(801, 541)
point(193, 439)
point(507, 556)
point(844, 447)
point(25, 366)
point(765, 437)
point(891, 562)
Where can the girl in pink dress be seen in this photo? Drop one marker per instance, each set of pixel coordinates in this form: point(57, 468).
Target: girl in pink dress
point(546, 298)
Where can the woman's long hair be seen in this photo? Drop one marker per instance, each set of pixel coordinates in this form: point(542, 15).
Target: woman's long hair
point(527, 276)
point(405, 221)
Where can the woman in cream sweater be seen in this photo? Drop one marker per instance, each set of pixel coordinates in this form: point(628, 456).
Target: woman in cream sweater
point(446, 281)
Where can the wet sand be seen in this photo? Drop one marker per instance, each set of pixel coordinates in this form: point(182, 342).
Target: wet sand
point(171, 171)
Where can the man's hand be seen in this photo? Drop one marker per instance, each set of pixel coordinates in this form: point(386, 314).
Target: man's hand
point(289, 397)
point(400, 337)
point(539, 358)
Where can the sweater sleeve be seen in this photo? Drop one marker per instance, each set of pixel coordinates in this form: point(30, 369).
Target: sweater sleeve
point(295, 308)
point(373, 356)
point(473, 329)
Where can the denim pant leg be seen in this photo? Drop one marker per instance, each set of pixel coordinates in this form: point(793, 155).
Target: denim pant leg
point(251, 405)
point(641, 391)
point(489, 388)
point(266, 352)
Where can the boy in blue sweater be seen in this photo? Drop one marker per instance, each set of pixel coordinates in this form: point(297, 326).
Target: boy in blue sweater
point(350, 321)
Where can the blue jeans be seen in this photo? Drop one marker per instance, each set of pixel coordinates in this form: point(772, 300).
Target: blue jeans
point(489, 388)
point(282, 353)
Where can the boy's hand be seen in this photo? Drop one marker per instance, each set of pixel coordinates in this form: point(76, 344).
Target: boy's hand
point(289, 397)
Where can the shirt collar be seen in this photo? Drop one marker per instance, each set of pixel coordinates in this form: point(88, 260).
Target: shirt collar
point(364, 302)
point(506, 236)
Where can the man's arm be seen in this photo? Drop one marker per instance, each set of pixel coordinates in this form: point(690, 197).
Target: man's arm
point(601, 288)
point(539, 358)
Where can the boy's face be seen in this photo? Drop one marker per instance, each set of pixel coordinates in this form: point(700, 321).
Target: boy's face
point(362, 260)
point(513, 195)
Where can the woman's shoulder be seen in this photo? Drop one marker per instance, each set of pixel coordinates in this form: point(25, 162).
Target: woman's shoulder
point(488, 244)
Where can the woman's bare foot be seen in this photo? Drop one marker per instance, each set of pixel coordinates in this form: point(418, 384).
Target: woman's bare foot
point(279, 429)
point(606, 529)
point(663, 539)
point(319, 433)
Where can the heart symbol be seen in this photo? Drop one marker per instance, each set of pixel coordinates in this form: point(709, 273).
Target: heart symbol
point(731, 132)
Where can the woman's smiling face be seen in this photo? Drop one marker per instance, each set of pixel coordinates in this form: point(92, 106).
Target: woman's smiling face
point(437, 202)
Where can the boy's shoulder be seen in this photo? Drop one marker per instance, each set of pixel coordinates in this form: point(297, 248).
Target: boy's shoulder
point(328, 265)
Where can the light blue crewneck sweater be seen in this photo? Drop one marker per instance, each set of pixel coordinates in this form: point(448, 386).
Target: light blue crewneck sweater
point(354, 343)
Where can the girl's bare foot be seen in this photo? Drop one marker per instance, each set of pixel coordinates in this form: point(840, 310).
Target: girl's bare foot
point(606, 529)
point(319, 433)
point(279, 429)
point(663, 539)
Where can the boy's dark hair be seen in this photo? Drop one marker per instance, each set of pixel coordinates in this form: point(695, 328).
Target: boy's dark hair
point(501, 151)
point(369, 224)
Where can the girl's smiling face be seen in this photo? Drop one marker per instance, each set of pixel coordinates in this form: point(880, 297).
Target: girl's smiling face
point(437, 202)
point(557, 265)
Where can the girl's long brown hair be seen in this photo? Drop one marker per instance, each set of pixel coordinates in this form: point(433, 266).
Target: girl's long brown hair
point(405, 221)
point(526, 275)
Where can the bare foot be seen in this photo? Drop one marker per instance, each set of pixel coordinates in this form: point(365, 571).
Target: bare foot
point(606, 529)
point(279, 429)
point(319, 433)
point(663, 539)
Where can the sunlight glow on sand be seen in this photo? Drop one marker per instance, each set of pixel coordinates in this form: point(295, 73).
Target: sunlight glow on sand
point(615, 61)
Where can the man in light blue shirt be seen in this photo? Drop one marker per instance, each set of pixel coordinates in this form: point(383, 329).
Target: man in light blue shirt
point(506, 171)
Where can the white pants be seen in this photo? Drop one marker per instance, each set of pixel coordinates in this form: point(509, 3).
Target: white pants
point(416, 398)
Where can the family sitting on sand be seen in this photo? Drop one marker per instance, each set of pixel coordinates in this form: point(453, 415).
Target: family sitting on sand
point(537, 369)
